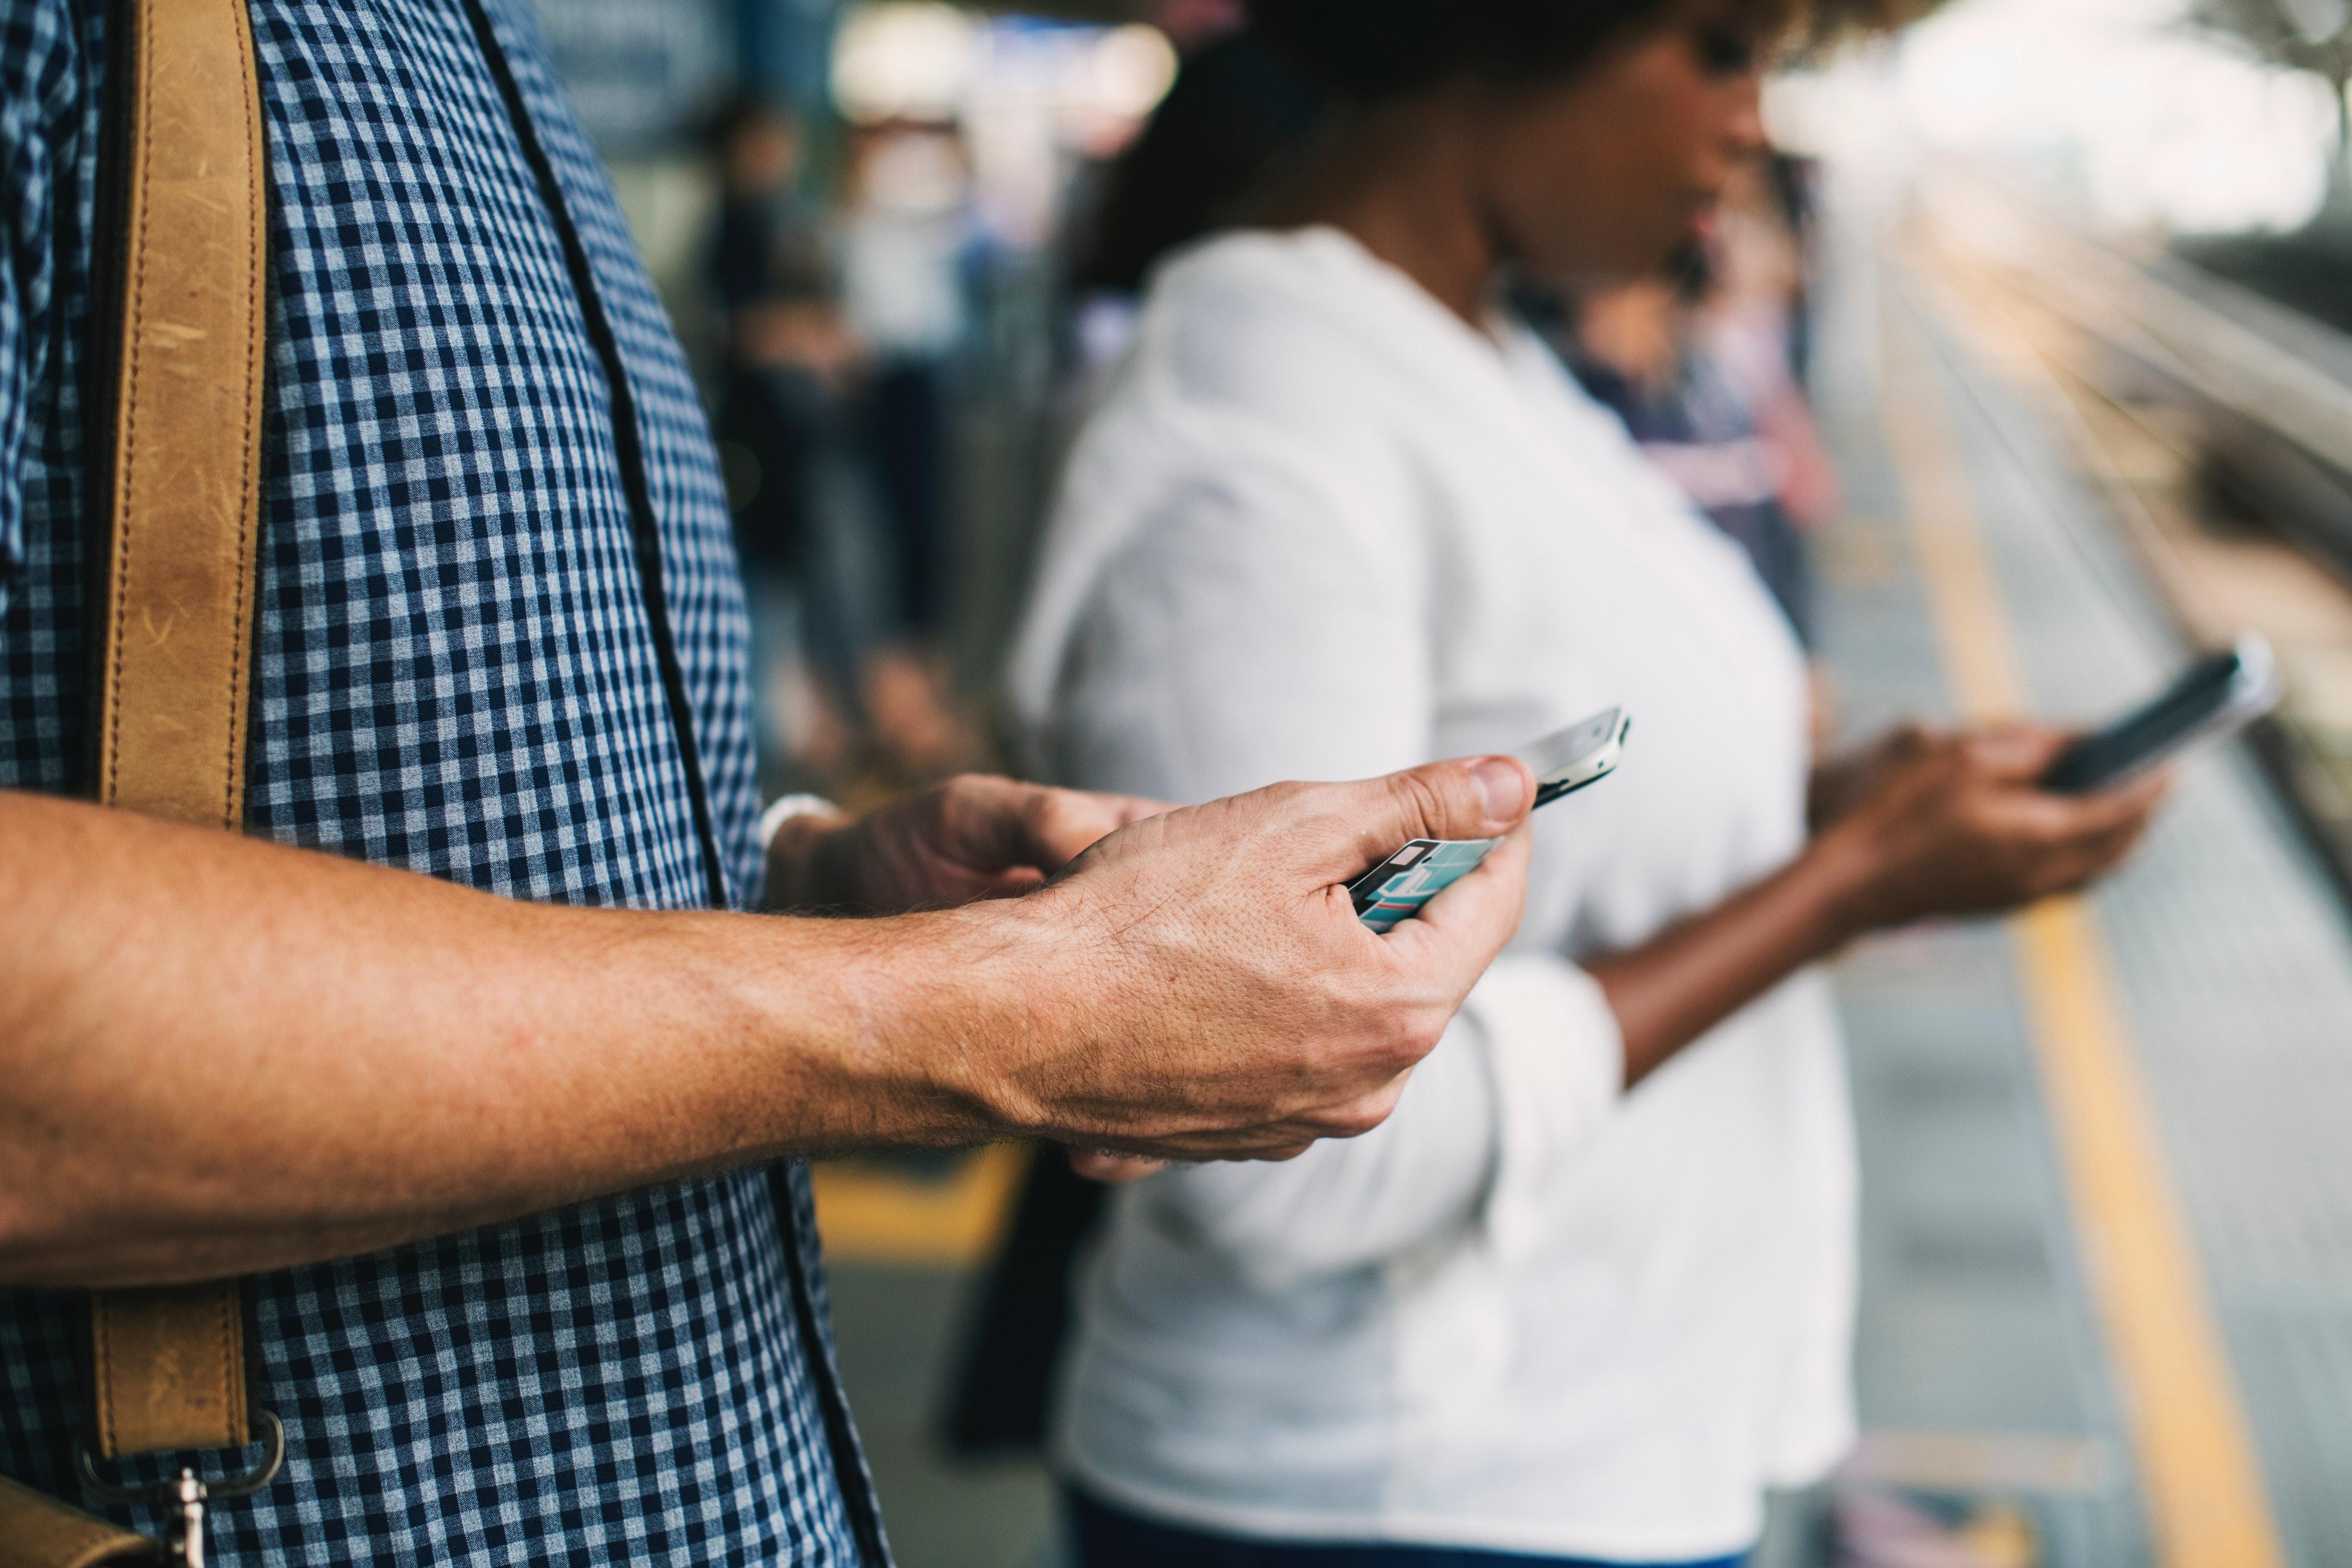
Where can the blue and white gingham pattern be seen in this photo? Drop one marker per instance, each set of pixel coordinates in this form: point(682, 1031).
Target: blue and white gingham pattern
point(456, 675)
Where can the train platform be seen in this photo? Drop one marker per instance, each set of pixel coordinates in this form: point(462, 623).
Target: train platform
point(2107, 1290)
point(2107, 1233)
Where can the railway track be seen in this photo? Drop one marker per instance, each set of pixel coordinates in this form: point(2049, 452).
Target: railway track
point(2217, 426)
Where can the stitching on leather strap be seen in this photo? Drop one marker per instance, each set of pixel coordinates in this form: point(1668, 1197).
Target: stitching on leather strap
point(256, 366)
point(226, 1299)
point(126, 529)
point(101, 1373)
point(156, 1384)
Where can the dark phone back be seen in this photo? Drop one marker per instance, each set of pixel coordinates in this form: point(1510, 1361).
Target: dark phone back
point(2099, 760)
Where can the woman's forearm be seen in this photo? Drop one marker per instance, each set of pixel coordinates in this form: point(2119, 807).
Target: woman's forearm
point(1700, 970)
point(221, 1055)
point(1921, 825)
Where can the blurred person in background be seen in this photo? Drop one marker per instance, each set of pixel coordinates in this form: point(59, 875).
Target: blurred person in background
point(807, 518)
point(1233, 111)
point(903, 240)
point(1702, 361)
point(832, 415)
point(1587, 1294)
point(1705, 387)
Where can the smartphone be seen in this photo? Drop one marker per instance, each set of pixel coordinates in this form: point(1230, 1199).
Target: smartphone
point(2214, 697)
point(1584, 753)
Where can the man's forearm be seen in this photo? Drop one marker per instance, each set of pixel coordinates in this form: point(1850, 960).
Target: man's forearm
point(222, 1055)
point(218, 1055)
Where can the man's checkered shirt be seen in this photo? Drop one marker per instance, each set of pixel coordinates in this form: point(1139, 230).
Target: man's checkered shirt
point(456, 673)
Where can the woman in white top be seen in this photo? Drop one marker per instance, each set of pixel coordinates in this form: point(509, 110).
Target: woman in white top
point(1586, 1292)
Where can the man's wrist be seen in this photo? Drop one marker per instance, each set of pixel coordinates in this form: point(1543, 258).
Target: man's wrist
point(931, 1021)
point(1012, 982)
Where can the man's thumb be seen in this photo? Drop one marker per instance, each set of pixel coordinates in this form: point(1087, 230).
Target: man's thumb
point(1467, 797)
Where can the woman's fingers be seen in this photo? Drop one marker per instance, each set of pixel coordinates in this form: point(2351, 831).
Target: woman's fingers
point(2105, 851)
point(2094, 835)
point(1962, 826)
point(2016, 750)
point(2088, 818)
point(2145, 793)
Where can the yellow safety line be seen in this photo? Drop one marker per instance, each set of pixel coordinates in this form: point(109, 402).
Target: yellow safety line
point(2200, 1479)
point(870, 1214)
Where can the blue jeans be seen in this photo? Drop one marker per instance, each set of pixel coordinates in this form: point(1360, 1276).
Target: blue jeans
point(1108, 1537)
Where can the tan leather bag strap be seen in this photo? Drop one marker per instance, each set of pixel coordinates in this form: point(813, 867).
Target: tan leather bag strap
point(38, 1531)
point(170, 618)
point(174, 626)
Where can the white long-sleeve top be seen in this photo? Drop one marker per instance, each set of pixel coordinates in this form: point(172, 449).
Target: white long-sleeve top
point(1320, 528)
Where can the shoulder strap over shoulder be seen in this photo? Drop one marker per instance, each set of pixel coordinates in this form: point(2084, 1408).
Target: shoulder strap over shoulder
point(172, 617)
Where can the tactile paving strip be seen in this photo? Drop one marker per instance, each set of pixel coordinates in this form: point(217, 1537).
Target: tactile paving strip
point(2237, 969)
point(2235, 956)
point(1974, 1321)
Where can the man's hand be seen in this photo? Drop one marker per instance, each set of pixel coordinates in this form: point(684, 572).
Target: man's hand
point(1198, 984)
point(969, 838)
point(324, 1057)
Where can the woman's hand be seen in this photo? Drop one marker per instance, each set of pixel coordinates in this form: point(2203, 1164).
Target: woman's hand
point(1841, 783)
point(1926, 824)
point(1921, 824)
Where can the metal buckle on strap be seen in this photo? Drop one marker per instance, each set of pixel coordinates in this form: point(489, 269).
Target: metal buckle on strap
point(186, 1495)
